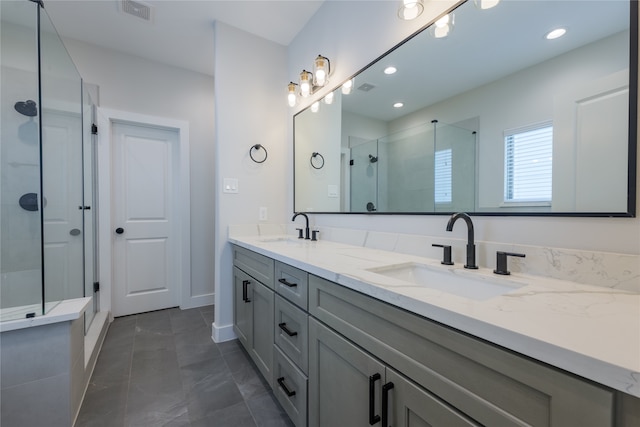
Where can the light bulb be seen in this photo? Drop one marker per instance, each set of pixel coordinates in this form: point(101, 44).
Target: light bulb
point(410, 9)
point(486, 4)
point(554, 34)
point(442, 27)
point(321, 69)
point(315, 106)
point(305, 83)
point(347, 86)
point(291, 94)
point(328, 99)
point(390, 70)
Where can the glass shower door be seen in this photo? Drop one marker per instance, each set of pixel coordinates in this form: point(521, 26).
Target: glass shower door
point(364, 177)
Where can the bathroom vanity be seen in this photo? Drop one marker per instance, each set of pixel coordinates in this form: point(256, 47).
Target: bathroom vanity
point(343, 342)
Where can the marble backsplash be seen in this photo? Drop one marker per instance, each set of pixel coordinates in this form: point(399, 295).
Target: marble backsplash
point(605, 269)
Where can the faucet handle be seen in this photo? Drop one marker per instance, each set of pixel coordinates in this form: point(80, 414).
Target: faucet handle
point(446, 256)
point(314, 235)
point(501, 262)
point(300, 236)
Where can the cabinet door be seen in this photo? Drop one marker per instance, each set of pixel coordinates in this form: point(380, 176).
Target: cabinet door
point(243, 310)
point(412, 406)
point(262, 300)
point(339, 380)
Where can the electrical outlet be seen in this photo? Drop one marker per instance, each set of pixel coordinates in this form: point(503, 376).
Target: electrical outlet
point(262, 215)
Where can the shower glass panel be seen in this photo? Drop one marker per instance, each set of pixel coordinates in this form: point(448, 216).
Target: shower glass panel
point(89, 161)
point(44, 218)
point(428, 168)
point(62, 180)
point(364, 176)
point(20, 259)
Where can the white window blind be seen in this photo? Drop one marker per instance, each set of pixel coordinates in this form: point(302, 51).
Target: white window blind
point(443, 176)
point(528, 161)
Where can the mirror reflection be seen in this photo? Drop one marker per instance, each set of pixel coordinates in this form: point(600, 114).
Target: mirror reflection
point(492, 118)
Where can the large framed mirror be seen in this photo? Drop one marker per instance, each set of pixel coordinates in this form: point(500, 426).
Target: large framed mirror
point(494, 119)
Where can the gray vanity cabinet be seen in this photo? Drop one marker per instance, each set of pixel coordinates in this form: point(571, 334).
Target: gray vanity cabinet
point(349, 387)
point(254, 307)
point(487, 384)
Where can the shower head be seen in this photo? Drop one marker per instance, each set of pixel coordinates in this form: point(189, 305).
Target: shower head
point(373, 159)
point(27, 108)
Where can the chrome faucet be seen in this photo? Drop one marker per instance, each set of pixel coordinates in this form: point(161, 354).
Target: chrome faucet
point(471, 247)
point(306, 230)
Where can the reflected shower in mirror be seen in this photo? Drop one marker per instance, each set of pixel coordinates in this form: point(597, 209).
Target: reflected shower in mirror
point(493, 119)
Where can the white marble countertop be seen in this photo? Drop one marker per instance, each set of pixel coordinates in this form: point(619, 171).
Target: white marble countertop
point(590, 331)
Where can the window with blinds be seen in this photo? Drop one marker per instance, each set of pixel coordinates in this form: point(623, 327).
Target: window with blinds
point(443, 176)
point(528, 161)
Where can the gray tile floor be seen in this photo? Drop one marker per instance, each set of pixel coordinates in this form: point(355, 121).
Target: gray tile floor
point(162, 369)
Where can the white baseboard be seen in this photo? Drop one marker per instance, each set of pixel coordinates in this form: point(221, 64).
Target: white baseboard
point(222, 333)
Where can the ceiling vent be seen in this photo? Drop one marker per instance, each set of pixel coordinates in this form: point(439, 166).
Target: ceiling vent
point(366, 87)
point(137, 9)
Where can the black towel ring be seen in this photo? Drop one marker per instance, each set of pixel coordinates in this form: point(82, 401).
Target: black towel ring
point(258, 147)
point(313, 156)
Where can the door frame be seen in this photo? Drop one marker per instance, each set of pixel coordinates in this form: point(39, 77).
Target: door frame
point(105, 118)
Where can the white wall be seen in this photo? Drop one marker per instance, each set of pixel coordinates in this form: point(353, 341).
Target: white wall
point(250, 108)
point(132, 84)
point(352, 34)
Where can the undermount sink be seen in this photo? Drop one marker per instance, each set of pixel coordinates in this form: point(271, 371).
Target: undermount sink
point(280, 239)
point(468, 284)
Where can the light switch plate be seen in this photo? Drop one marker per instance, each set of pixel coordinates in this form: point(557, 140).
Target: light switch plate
point(263, 214)
point(230, 185)
point(332, 190)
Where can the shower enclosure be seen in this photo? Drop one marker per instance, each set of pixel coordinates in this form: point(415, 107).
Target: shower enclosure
point(47, 215)
point(428, 168)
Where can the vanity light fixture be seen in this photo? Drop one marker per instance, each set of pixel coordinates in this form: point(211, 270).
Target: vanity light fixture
point(390, 70)
point(315, 107)
point(486, 4)
point(410, 9)
point(347, 86)
point(442, 27)
point(308, 82)
point(554, 34)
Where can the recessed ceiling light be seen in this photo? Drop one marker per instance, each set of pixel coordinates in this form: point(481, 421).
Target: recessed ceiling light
point(398, 105)
point(554, 34)
point(390, 70)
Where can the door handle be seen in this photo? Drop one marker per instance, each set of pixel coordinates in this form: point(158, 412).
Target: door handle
point(385, 403)
point(283, 326)
point(287, 283)
point(373, 418)
point(245, 297)
point(119, 230)
point(284, 387)
point(74, 232)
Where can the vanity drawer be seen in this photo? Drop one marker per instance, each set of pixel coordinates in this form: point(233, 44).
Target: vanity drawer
point(292, 332)
point(290, 388)
point(490, 384)
point(254, 264)
point(292, 283)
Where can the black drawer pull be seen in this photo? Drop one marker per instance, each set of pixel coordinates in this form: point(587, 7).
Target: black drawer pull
point(245, 297)
point(284, 387)
point(385, 403)
point(289, 284)
point(283, 326)
point(373, 418)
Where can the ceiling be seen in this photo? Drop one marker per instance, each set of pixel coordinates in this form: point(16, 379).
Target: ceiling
point(180, 32)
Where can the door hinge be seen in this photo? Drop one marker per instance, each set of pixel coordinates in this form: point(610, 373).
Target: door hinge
point(96, 286)
point(94, 129)
point(350, 162)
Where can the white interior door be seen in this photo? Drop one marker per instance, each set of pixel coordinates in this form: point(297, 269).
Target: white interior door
point(145, 247)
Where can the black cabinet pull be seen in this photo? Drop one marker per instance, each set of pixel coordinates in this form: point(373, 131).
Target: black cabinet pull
point(284, 387)
point(283, 326)
point(289, 284)
point(385, 403)
point(245, 297)
point(373, 418)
